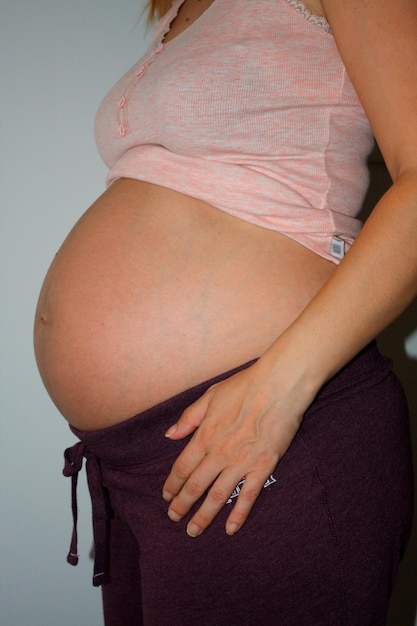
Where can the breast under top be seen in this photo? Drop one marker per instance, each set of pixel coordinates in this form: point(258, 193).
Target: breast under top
point(251, 110)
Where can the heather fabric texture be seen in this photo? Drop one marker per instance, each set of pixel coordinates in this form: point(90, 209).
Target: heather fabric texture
point(321, 545)
point(251, 110)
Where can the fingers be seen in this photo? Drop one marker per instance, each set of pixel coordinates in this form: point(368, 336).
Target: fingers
point(248, 495)
point(218, 496)
point(180, 474)
point(189, 420)
point(194, 488)
point(239, 431)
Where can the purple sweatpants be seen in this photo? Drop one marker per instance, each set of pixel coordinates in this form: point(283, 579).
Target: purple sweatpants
point(320, 548)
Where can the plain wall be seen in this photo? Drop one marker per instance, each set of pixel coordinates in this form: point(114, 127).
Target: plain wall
point(57, 60)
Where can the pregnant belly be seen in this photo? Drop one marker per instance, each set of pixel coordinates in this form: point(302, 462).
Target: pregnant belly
point(153, 292)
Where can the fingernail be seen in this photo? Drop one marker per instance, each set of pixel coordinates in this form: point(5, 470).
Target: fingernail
point(171, 431)
point(193, 530)
point(167, 496)
point(174, 516)
point(232, 529)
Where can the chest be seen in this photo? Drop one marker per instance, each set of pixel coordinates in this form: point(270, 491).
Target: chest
point(226, 81)
point(192, 10)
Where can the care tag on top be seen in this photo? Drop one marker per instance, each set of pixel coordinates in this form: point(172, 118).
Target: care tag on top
point(337, 248)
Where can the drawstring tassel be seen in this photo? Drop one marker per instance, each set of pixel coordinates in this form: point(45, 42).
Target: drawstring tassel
point(73, 464)
point(100, 508)
point(101, 521)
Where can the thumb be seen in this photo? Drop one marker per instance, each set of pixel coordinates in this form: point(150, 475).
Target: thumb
point(190, 419)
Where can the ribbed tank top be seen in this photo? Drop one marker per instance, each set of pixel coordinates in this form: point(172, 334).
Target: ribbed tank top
point(251, 110)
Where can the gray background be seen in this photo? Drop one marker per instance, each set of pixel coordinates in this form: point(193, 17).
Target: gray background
point(57, 60)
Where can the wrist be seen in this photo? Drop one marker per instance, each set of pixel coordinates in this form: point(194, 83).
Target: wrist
point(292, 373)
point(304, 362)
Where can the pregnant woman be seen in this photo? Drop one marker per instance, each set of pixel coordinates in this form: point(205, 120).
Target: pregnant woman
point(207, 326)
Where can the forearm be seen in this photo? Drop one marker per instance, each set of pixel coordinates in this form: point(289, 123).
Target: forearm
point(373, 285)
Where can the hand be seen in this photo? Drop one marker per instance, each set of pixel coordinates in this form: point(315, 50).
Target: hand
point(243, 427)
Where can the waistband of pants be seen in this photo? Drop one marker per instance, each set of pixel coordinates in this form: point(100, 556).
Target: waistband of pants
point(141, 439)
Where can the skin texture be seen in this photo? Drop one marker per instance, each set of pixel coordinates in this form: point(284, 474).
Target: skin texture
point(147, 275)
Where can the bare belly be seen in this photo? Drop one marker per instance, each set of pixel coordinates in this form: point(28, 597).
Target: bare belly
point(153, 292)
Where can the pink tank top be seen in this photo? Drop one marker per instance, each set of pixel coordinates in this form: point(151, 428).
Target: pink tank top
point(250, 109)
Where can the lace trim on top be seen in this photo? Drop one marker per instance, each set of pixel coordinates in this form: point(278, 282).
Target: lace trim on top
point(317, 20)
point(167, 20)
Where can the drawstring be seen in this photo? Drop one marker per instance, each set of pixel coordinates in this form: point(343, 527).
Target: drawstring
point(101, 514)
point(73, 463)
